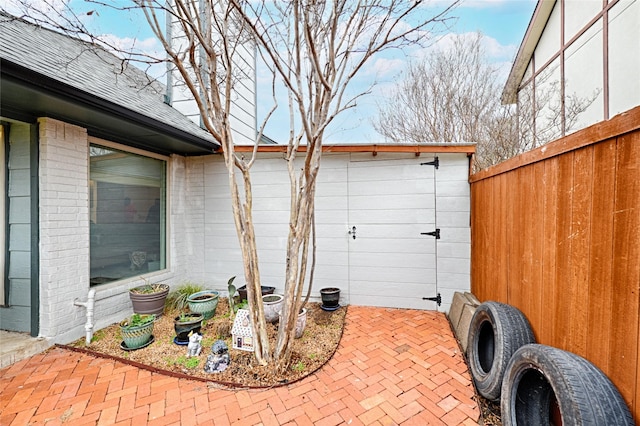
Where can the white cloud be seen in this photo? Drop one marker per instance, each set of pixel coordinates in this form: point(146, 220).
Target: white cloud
point(385, 67)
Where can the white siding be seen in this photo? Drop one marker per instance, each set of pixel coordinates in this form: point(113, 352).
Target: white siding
point(586, 54)
point(390, 199)
point(243, 109)
point(577, 14)
point(549, 43)
point(624, 64)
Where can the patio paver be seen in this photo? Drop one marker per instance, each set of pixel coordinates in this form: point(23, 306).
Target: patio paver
point(392, 367)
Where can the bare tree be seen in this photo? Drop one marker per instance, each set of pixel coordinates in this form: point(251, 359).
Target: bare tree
point(315, 48)
point(453, 96)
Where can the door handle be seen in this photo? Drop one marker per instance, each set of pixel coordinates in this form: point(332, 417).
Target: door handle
point(353, 232)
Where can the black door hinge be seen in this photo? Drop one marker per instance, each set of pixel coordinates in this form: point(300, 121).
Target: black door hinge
point(435, 163)
point(435, 233)
point(437, 299)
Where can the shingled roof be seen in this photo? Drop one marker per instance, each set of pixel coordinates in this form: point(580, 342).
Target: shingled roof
point(46, 73)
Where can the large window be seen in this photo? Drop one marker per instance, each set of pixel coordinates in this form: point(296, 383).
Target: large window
point(127, 198)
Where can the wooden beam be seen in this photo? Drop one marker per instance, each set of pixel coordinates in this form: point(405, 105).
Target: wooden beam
point(373, 148)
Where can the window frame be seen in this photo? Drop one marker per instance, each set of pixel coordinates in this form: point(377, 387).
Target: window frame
point(167, 189)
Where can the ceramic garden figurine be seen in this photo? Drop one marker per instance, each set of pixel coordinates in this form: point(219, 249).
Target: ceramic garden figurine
point(194, 347)
point(218, 360)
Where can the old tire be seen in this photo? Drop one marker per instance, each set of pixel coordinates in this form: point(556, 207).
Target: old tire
point(496, 331)
point(547, 386)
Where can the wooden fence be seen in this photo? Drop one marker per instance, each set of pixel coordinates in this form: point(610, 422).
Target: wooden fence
point(556, 233)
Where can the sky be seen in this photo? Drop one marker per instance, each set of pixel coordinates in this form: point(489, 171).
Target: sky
point(503, 22)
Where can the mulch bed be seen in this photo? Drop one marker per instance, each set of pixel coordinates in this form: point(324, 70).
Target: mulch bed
point(316, 346)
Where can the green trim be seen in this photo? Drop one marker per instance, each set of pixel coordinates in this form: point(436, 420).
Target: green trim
point(35, 231)
point(7, 284)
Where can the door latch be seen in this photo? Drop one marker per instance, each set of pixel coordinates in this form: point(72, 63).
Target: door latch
point(353, 232)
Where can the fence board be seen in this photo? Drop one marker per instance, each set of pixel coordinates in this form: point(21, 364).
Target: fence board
point(582, 193)
point(562, 296)
point(600, 259)
point(556, 233)
point(626, 268)
point(549, 287)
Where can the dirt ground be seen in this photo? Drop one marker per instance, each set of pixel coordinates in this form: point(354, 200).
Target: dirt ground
point(316, 346)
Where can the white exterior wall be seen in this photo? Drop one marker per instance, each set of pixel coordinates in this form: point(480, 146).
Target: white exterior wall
point(202, 242)
point(624, 66)
point(579, 65)
point(335, 207)
point(243, 108)
point(453, 217)
point(64, 227)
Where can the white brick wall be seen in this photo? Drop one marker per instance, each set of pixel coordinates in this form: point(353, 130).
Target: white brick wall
point(64, 227)
point(64, 236)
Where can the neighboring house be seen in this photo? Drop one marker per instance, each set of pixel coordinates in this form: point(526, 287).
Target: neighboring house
point(107, 186)
point(579, 63)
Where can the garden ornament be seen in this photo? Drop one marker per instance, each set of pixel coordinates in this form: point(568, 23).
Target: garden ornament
point(194, 347)
point(218, 360)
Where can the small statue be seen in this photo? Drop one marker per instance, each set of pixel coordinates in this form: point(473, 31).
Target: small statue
point(194, 347)
point(218, 360)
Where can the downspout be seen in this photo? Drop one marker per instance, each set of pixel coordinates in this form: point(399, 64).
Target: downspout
point(89, 304)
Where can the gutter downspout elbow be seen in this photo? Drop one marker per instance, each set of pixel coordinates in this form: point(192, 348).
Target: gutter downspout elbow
point(89, 304)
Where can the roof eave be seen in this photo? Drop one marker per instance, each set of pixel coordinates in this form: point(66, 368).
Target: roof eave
point(27, 77)
point(527, 47)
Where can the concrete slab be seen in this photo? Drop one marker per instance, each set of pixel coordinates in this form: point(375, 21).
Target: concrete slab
point(458, 302)
point(462, 332)
point(15, 347)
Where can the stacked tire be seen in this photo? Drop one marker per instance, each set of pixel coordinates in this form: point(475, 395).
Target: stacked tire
point(537, 384)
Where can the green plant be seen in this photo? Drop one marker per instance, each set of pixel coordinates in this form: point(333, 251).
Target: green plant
point(299, 366)
point(232, 292)
point(187, 317)
point(98, 335)
point(192, 363)
point(149, 288)
point(137, 320)
point(177, 299)
point(183, 360)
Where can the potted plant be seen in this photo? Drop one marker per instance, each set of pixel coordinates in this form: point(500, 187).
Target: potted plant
point(149, 298)
point(301, 322)
point(177, 299)
point(242, 291)
point(204, 302)
point(272, 305)
point(137, 331)
point(330, 298)
point(185, 324)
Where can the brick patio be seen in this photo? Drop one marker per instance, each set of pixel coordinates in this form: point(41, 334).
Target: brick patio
point(392, 367)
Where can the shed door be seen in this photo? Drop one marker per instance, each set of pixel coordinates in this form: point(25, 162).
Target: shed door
point(391, 202)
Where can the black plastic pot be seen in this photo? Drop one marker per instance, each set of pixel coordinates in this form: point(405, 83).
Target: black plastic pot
point(330, 297)
point(190, 323)
point(242, 291)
